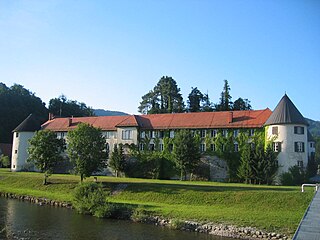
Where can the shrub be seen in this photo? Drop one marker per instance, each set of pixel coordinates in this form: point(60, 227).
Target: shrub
point(89, 198)
point(4, 161)
point(295, 176)
point(177, 224)
point(139, 214)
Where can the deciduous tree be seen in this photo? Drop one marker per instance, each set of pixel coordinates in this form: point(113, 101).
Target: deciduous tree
point(45, 151)
point(117, 160)
point(85, 149)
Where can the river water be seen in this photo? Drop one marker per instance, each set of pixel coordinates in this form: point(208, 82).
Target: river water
point(26, 221)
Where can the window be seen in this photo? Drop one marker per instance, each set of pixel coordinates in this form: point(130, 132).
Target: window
point(171, 134)
point(15, 151)
point(126, 134)
point(298, 130)
point(107, 147)
point(300, 164)
point(275, 130)
point(161, 147)
point(151, 147)
point(143, 134)
point(161, 134)
point(235, 133)
point(203, 133)
point(236, 147)
point(223, 147)
point(141, 146)
point(17, 134)
point(224, 132)
point(213, 147)
point(153, 134)
point(62, 134)
point(312, 145)
point(252, 145)
point(170, 147)
point(299, 146)
point(213, 133)
point(202, 147)
point(276, 146)
point(251, 132)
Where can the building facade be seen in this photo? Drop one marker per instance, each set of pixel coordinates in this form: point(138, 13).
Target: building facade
point(289, 134)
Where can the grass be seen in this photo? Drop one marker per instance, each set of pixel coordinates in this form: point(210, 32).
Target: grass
point(272, 208)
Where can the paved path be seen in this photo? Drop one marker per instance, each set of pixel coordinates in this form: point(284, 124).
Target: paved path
point(309, 228)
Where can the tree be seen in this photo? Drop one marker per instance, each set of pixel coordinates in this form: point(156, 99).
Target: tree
point(4, 161)
point(45, 151)
point(117, 160)
point(241, 104)
point(245, 170)
point(225, 103)
point(195, 98)
point(186, 152)
point(63, 107)
point(86, 149)
point(164, 98)
point(207, 105)
point(271, 166)
point(17, 103)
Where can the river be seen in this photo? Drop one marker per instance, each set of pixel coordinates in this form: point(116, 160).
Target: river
point(27, 221)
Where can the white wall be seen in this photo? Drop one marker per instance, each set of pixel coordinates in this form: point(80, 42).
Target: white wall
point(288, 157)
point(19, 150)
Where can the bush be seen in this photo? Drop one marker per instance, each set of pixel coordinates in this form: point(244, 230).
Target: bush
point(4, 161)
point(89, 198)
point(295, 176)
point(177, 224)
point(139, 214)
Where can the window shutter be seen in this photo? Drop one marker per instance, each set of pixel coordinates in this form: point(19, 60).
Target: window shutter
point(295, 146)
point(295, 130)
point(302, 146)
point(279, 147)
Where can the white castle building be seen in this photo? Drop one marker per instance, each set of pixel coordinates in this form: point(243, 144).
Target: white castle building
point(285, 126)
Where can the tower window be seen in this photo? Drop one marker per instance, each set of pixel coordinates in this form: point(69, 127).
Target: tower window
point(299, 146)
point(275, 130)
point(15, 151)
point(298, 130)
point(276, 146)
point(17, 134)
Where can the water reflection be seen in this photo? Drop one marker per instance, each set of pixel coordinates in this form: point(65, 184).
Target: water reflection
point(22, 220)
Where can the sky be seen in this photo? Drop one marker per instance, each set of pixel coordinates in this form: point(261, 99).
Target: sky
point(109, 53)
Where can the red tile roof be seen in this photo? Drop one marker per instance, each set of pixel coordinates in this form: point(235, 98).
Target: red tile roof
point(240, 119)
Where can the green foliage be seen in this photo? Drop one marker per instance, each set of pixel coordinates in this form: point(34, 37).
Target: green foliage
point(45, 151)
point(241, 104)
point(225, 103)
point(86, 149)
point(195, 98)
point(4, 161)
point(186, 152)
point(16, 104)
point(89, 198)
point(117, 160)
point(164, 98)
point(140, 214)
point(177, 224)
point(63, 107)
point(150, 164)
point(295, 176)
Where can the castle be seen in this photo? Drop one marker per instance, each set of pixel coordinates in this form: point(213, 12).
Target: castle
point(285, 126)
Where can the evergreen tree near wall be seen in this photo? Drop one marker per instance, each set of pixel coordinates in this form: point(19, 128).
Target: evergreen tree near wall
point(195, 98)
point(241, 104)
point(117, 160)
point(85, 149)
point(186, 152)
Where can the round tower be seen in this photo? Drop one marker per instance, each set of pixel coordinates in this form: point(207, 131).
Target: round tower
point(21, 136)
point(287, 129)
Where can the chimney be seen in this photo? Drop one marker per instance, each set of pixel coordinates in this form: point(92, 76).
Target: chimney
point(69, 122)
point(230, 117)
point(50, 116)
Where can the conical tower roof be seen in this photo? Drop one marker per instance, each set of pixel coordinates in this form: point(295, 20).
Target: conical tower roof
point(30, 124)
point(286, 113)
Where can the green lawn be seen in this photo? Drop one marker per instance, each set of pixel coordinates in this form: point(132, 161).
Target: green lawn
point(271, 208)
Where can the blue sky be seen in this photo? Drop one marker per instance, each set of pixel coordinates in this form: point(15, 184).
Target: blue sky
point(110, 53)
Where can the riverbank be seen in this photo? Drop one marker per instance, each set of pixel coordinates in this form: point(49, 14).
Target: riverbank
point(215, 208)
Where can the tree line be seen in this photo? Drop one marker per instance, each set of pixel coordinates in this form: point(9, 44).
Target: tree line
point(165, 97)
point(17, 102)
